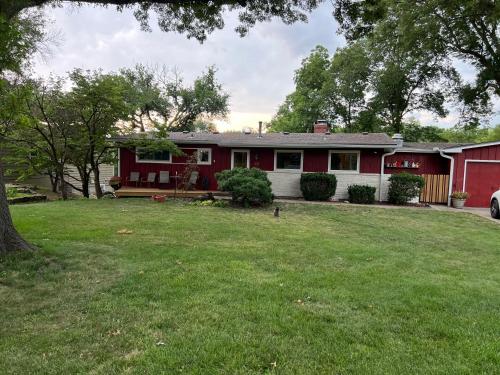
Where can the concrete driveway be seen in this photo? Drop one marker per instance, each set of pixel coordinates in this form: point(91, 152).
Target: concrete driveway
point(482, 212)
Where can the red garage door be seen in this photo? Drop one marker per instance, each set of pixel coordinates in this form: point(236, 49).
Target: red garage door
point(481, 181)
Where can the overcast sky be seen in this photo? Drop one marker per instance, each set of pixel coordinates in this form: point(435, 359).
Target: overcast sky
point(256, 71)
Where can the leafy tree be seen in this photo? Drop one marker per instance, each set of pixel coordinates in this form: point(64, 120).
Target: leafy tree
point(162, 100)
point(45, 130)
point(464, 29)
point(414, 132)
point(306, 104)
point(96, 102)
point(195, 18)
point(346, 85)
point(407, 79)
point(20, 35)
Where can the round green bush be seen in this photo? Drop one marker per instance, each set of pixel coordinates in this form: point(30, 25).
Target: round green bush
point(318, 186)
point(361, 194)
point(248, 187)
point(404, 187)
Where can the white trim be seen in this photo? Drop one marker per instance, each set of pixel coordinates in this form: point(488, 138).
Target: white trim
point(144, 161)
point(477, 145)
point(341, 171)
point(452, 173)
point(289, 152)
point(198, 150)
point(240, 150)
point(119, 162)
point(474, 161)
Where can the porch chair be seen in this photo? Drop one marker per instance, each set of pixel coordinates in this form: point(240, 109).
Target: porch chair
point(192, 180)
point(135, 178)
point(151, 179)
point(164, 178)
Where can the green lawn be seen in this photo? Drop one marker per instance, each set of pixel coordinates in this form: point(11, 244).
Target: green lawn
point(326, 289)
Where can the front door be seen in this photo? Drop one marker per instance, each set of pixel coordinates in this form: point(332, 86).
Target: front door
point(240, 159)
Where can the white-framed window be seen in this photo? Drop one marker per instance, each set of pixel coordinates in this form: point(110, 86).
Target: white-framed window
point(240, 158)
point(204, 156)
point(288, 160)
point(149, 156)
point(343, 161)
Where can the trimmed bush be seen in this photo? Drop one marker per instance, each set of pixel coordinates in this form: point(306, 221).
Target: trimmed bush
point(318, 186)
point(404, 187)
point(361, 194)
point(248, 187)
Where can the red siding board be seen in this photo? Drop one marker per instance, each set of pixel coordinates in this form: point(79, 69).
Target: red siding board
point(429, 163)
point(482, 178)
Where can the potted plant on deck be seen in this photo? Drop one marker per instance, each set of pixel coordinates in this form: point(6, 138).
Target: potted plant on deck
point(458, 198)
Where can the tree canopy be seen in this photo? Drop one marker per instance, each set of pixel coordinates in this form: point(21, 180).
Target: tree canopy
point(194, 18)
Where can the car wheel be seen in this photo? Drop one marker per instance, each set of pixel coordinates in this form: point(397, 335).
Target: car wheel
point(495, 209)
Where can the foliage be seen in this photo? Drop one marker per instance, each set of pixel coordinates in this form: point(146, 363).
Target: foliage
point(403, 187)
point(11, 192)
point(412, 131)
point(161, 100)
point(345, 87)
point(318, 186)
point(306, 104)
point(196, 19)
point(210, 203)
point(361, 194)
point(191, 166)
point(460, 195)
point(248, 187)
point(468, 30)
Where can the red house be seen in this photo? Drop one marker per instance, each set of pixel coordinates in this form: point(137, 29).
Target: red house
point(362, 158)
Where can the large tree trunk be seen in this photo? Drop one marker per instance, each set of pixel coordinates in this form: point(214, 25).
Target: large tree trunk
point(97, 182)
point(10, 240)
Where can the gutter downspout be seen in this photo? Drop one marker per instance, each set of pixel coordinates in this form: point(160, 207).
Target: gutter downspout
point(452, 169)
point(382, 170)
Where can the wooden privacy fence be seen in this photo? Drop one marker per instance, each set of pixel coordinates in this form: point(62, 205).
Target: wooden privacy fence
point(435, 189)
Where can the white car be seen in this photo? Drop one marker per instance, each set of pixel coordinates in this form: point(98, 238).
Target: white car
point(494, 205)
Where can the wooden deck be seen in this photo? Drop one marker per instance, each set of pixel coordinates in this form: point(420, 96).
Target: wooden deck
point(128, 191)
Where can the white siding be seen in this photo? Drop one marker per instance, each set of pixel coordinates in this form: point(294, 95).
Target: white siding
point(287, 184)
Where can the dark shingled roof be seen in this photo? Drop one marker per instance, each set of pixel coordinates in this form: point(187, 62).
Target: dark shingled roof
point(302, 140)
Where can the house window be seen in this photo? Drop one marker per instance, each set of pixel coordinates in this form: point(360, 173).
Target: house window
point(240, 159)
point(204, 156)
point(344, 161)
point(153, 156)
point(288, 160)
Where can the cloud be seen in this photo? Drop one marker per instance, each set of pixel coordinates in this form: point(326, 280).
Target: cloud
point(257, 70)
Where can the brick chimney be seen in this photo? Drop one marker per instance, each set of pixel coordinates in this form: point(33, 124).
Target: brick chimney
point(321, 126)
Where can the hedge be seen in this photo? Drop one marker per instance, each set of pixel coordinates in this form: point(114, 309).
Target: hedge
point(318, 186)
point(404, 187)
point(361, 194)
point(248, 187)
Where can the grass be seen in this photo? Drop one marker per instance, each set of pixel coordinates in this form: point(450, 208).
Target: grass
point(206, 290)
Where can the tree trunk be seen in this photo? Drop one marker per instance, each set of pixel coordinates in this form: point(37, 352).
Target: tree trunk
point(97, 182)
point(63, 187)
point(10, 240)
point(54, 181)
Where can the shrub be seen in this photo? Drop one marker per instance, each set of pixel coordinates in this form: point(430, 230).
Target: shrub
point(210, 203)
point(404, 187)
point(361, 194)
point(318, 186)
point(248, 187)
point(11, 192)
